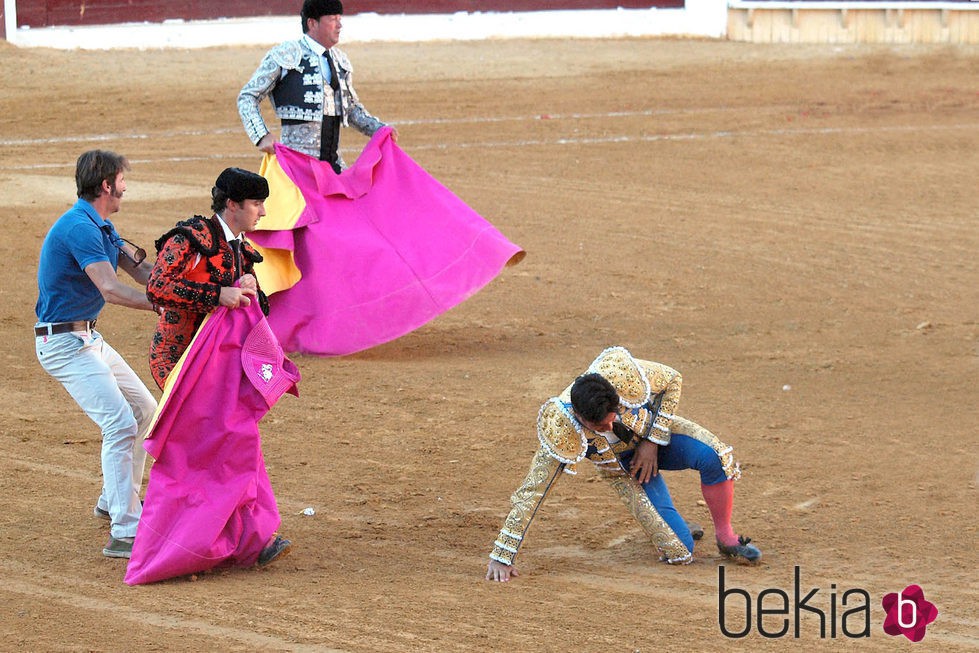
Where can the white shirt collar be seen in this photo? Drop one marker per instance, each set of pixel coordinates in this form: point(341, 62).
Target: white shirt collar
point(228, 234)
point(314, 46)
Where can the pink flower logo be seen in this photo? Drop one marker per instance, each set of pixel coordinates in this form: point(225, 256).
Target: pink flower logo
point(908, 613)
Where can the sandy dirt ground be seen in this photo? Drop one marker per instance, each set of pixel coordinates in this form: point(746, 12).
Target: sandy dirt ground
point(793, 228)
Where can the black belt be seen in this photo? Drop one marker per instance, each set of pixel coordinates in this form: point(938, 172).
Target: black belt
point(63, 327)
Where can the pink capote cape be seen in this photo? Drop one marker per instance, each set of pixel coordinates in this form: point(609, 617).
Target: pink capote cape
point(209, 502)
point(381, 249)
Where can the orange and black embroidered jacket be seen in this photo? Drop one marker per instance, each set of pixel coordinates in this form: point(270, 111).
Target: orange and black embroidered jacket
point(194, 260)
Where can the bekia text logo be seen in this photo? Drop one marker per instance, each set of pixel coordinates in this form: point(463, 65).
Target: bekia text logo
point(908, 613)
point(814, 611)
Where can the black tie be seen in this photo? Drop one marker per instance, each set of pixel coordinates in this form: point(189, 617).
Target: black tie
point(330, 129)
point(622, 432)
point(334, 82)
point(236, 250)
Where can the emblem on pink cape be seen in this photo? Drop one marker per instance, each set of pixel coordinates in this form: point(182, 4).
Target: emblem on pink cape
point(378, 250)
point(265, 365)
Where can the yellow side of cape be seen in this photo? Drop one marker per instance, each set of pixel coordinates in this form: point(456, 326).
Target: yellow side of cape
point(283, 207)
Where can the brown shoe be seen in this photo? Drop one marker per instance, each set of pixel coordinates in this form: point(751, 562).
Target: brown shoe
point(696, 530)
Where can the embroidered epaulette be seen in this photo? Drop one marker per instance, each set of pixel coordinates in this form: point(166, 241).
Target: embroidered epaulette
point(560, 435)
point(628, 378)
point(287, 55)
point(250, 253)
point(200, 232)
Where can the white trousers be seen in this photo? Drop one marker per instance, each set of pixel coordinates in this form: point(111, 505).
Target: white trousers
point(114, 397)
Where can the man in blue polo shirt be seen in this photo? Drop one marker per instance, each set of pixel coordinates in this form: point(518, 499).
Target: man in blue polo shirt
point(76, 276)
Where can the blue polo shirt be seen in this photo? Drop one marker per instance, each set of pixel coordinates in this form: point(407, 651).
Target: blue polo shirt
point(79, 238)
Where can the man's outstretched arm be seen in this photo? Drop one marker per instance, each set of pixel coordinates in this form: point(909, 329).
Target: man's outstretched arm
point(544, 472)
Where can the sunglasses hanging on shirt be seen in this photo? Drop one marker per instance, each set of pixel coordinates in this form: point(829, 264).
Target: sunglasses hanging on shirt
point(130, 250)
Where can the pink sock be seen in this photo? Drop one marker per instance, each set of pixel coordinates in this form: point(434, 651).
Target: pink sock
point(720, 502)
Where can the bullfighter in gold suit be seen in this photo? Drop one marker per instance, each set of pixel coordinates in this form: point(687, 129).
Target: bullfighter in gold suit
point(621, 415)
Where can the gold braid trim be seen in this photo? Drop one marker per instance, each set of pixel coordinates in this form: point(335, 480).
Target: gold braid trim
point(544, 471)
point(666, 541)
point(724, 451)
point(666, 383)
point(604, 455)
point(637, 420)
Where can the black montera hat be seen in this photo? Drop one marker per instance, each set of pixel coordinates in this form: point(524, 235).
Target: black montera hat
point(241, 185)
point(318, 8)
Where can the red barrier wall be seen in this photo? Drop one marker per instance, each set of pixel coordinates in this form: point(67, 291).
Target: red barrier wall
point(44, 13)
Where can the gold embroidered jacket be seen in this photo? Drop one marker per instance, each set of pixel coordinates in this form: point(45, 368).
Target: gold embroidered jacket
point(648, 397)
